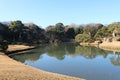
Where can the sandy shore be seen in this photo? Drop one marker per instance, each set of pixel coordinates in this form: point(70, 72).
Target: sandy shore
point(89, 44)
point(13, 70)
point(111, 46)
point(18, 47)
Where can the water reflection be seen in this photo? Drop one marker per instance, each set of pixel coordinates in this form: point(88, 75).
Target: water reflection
point(31, 55)
point(115, 60)
point(56, 51)
point(90, 52)
point(59, 51)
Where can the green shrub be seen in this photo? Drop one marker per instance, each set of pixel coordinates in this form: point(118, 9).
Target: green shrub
point(82, 38)
point(4, 45)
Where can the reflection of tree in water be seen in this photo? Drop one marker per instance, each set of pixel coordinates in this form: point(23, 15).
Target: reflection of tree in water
point(59, 51)
point(70, 48)
point(115, 60)
point(90, 52)
point(31, 55)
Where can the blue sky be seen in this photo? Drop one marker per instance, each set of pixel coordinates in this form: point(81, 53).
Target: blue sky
point(50, 12)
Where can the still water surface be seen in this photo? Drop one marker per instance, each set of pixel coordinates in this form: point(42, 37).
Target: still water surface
point(73, 60)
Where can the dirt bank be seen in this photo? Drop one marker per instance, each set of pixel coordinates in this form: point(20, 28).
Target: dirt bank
point(18, 47)
point(90, 44)
point(111, 46)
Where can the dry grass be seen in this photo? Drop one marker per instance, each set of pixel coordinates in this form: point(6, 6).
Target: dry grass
point(111, 46)
point(18, 47)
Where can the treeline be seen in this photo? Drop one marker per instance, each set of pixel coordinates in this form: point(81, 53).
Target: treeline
point(82, 33)
point(93, 32)
point(16, 32)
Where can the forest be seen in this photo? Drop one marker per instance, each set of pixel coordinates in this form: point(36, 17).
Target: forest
point(17, 32)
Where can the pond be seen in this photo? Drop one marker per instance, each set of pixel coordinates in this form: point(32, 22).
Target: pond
point(70, 59)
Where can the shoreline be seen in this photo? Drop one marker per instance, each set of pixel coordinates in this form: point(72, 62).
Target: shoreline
point(13, 70)
point(12, 49)
point(109, 46)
